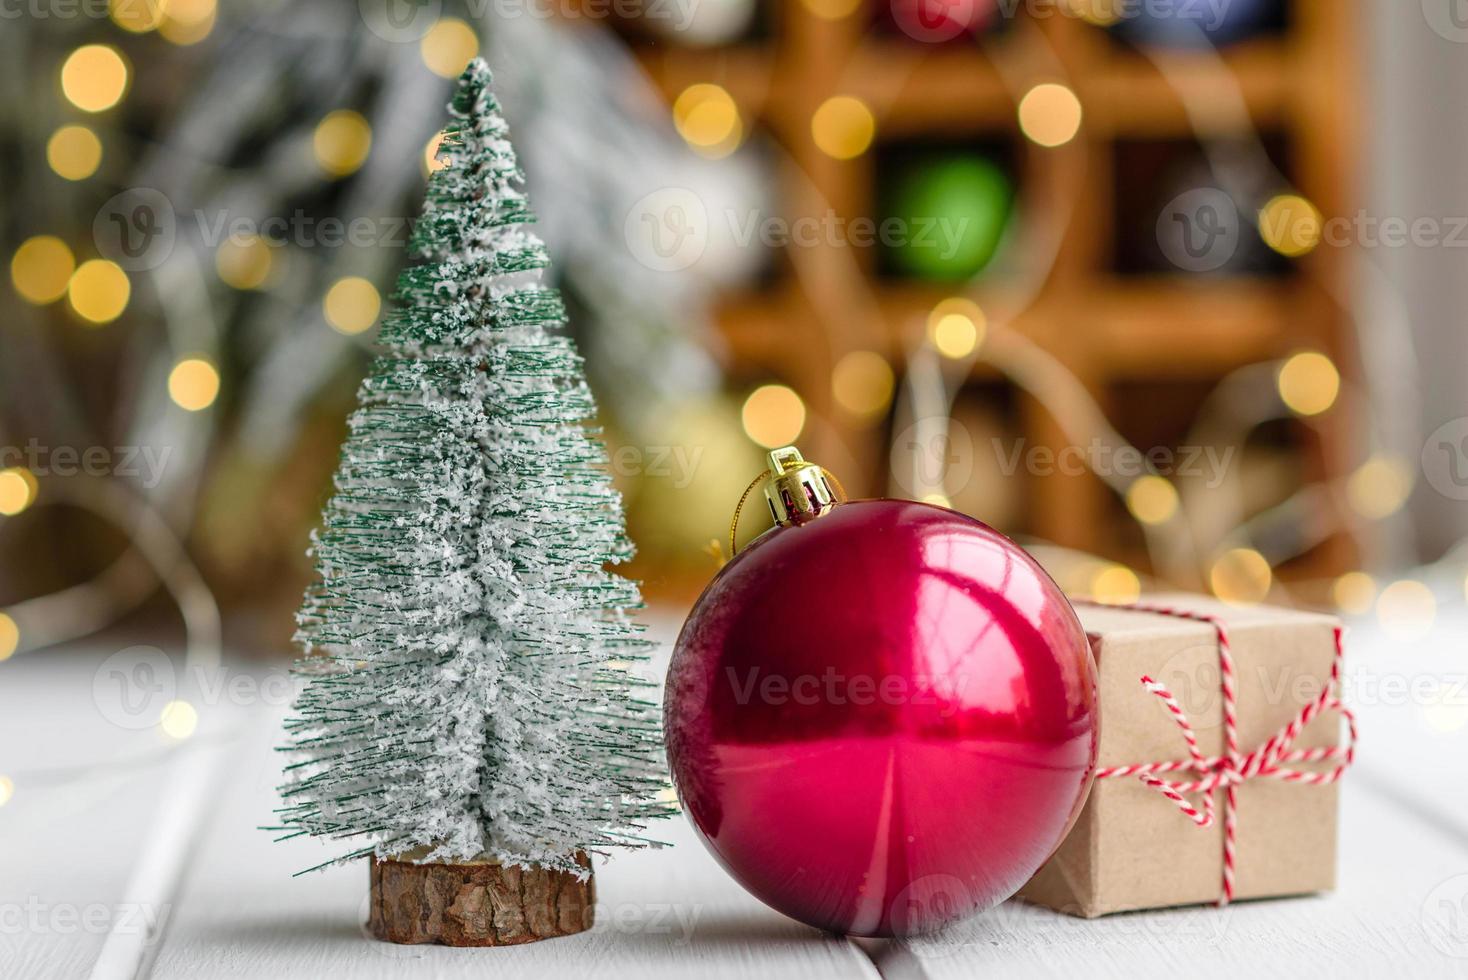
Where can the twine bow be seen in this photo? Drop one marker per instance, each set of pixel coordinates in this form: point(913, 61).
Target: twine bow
point(1275, 759)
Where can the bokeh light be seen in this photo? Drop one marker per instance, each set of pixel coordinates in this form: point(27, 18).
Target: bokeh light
point(136, 16)
point(1290, 225)
point(94, 78)
point(9, 637)
point(1379, 487)
point(18, 489)
point(1406, 609)
point(7, 790)
point(708, 119)
point(448, 46)
point(1353, 593)
point(1050, 114)
point(1152, 499)
point(187, 21)
point(862, 383)
point(1308, 383)
point(41, 269)
point(432, 163)
point(1240, 576)
point(74, 152)
point(193, 384)
point(245, 262)
point(98, 291)
point(179, 720)
point(832, 9)
point(773, 416)
point(351, 305)
point(341, 142)
point(1101, 13)
point(937, 499)
point(1115, 584)
point(956, 327)
point(843, 127)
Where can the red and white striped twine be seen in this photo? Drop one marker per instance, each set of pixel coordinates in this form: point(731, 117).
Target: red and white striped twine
point(1232, 768)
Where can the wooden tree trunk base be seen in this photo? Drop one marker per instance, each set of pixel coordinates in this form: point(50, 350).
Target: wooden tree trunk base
point(477, 903)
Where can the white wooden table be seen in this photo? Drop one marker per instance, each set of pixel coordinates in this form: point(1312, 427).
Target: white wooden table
point(121, 856)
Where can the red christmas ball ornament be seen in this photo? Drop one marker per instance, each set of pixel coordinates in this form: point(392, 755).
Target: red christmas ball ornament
point(881, 715)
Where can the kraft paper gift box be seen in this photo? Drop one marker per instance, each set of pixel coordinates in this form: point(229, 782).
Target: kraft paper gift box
point(1131, 847)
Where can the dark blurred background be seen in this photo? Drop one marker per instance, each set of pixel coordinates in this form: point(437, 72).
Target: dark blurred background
point(1166, 290)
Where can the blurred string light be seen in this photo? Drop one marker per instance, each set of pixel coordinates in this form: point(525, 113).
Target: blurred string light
point(1050, 114)
point(187, 22)
point(341, 142)
point(1290, 225)
point(94, 77)
point(1115, 584)
point(1099, 13)
point(178, 720)
point(707, 118)
point(136, 16)
point(74, 152)
point(18, 489)
point(431, 162)
point(1354, 593)
point(773, 415)
point(956, 327)
point(843, 127)
point(1152, 499)
point(1241, 576)
point(448, 46)
point(1379, 487)
point(41, 269)
point(7, 790)
point(862, 383)
point(9, 637)
point(832, 9)
point(245, 262)
point(193, 384)
point(98, 291)
point(351, 305)
point(1406, 609)
point(1308, 383)
point(938, 499)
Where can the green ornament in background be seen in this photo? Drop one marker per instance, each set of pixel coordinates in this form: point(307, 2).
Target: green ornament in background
point(955, 207)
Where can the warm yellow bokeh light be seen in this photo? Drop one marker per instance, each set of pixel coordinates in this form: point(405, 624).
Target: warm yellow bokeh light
point(187, 21)
point(1050, 114)
point(136, 16)
point(1115, 584)
point(245, 262)
point(1379, 487)
point(773, 416)
point(843, 127)
point(432, 163)
point(448, 46)
point(341, 142)
point(193, 384)
point(18, 489)
point(41, 269)
point(9, 637)
point(1152, 499)
point(862, 383)
point(938, 499)
point(1101, 13)
point(708, 119)
point(1308, 383)
point(74, 152)
point(832, 9)
point(1241, 575)
point(956, 327)
point(1353, 593)
point(94, 78)
point(1406, 609)
point(99, 291)
point(1290, 225)
point(351, 305)
point(179, 720)
point(7, 790)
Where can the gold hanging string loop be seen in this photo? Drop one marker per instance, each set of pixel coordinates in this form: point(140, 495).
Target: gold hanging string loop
point(755, 485)
point(835, 483)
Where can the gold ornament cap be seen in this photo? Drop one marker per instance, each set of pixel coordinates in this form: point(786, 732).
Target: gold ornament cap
point(797, 491)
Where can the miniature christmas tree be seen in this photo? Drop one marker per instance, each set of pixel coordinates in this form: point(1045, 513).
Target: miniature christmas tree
point(467, 700)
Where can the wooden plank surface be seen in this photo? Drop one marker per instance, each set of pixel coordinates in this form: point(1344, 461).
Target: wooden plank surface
point(114, 837)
